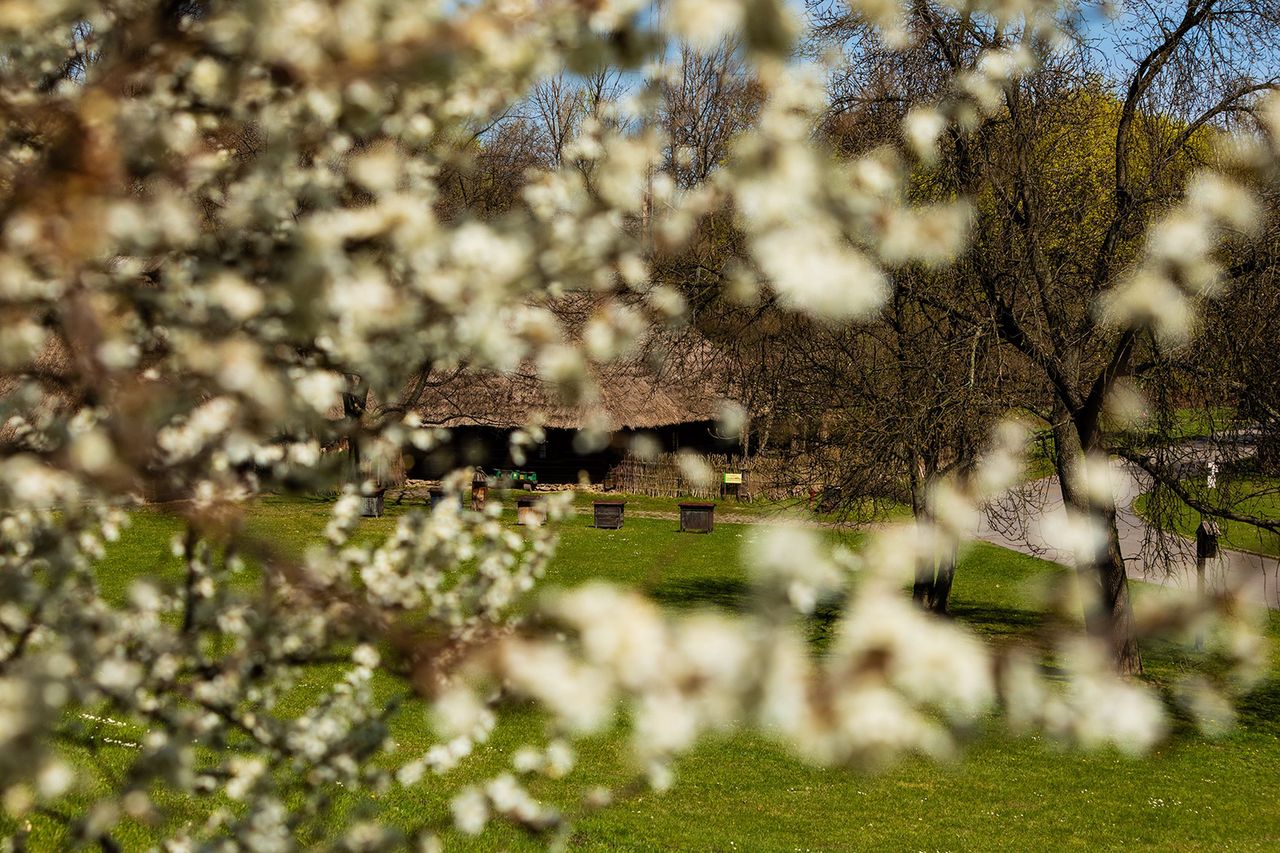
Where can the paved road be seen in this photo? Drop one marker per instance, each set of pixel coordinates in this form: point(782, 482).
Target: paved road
point(1043, 505)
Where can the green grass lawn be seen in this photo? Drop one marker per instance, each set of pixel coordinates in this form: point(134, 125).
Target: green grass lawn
point(744, 793)
point(1186, 423)
point(1235, 534)
point(1194, 423)
point(758, 508)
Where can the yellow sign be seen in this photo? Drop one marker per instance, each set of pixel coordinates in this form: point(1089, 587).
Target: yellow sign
point(733, 478)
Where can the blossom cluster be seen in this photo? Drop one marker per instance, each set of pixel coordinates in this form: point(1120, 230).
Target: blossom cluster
point(228, 257)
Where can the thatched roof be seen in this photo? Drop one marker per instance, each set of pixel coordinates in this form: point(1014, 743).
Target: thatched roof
point(632, 395)
point(668, 380)
point(53, 367)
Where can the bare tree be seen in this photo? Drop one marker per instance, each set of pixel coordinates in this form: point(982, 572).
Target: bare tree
point(1040, 256)
point(558, 106)
point(708, 100)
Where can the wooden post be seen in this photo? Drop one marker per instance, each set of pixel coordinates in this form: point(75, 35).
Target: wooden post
point(479, 490)
point(1206, 549)
point(731, 486)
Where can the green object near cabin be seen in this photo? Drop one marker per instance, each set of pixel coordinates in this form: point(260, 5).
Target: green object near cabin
point(516, 476)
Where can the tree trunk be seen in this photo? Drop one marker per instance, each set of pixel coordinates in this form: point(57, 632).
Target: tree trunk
point(934, 572)
point(1269, 447)
point(922, 589)
point(1115, 600)
point(941, 597)
point(1108, 610)
point(354, 403)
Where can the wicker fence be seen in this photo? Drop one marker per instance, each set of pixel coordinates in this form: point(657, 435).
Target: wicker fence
point(767, 477)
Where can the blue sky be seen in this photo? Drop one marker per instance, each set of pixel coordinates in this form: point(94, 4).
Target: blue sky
point(1105, 31)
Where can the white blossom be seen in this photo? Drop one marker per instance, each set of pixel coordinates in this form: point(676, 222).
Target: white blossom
point(705, 23)
point(470, 811)
point(206, 243)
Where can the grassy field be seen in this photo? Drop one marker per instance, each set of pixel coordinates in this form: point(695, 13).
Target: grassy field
point(1185, 424)
point(761, 509)
point(744, 793)
point(1235, 534)
point(1193, 423)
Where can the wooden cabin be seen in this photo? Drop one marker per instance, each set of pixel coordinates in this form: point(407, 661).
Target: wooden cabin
point(481, 410)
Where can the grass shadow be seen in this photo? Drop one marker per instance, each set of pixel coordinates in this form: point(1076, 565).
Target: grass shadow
point(993, 620)
point(1259, 710)
point(735, 596)
point(722, 593)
